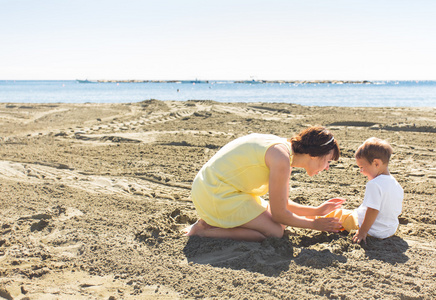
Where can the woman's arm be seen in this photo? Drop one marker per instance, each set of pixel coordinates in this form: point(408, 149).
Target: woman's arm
point(310, 211)
point(278, 162)
point(302, 210)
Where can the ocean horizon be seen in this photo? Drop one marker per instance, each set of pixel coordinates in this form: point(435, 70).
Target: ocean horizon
point(304, 92)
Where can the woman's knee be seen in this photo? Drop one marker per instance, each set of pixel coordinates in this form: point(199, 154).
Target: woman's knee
point(276, 232)
point(265, 225)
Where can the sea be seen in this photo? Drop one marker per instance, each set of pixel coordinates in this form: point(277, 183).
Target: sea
point(372, 94)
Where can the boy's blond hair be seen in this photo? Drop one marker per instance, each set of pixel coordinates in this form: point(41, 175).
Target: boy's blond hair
point(374, 148)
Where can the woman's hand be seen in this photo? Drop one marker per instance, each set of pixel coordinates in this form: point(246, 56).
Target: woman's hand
point(327, 224)
point(330, 205)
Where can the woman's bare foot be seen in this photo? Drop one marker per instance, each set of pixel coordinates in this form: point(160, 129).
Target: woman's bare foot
point(197, 228)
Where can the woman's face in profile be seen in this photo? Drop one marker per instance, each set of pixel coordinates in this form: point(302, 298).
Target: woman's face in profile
point(319, 163)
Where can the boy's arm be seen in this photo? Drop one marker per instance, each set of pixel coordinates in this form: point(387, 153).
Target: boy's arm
point(362, 232)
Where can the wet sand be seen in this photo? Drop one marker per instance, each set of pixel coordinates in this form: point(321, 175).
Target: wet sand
point(93, 198)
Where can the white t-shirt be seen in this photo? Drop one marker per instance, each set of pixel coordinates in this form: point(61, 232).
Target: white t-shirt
point(384, 194)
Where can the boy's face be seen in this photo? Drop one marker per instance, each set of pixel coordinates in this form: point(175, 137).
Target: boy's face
point(370, 170)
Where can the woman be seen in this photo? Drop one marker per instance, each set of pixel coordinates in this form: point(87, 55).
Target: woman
point(226, 191)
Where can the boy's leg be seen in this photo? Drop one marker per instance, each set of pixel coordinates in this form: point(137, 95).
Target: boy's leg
point(348, 218)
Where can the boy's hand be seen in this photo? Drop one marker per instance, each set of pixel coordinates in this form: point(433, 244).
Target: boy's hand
point(360, 236)
point(330, 205)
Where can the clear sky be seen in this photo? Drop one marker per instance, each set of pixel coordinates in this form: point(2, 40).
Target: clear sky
point(219, 39)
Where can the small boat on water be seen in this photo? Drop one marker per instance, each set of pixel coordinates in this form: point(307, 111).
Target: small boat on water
point(86, 81)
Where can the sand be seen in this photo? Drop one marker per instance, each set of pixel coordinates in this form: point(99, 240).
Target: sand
point(93, 198)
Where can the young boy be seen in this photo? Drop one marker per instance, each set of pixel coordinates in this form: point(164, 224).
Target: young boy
point(378, 215)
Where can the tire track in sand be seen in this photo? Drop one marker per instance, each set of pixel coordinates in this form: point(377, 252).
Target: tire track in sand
point(61, 174)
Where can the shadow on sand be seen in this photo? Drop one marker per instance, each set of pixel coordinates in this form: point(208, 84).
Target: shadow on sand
point(270, 257)
point(273, 256)
point(390, 250)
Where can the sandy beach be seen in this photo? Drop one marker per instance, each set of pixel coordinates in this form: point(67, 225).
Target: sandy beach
point(93, 198)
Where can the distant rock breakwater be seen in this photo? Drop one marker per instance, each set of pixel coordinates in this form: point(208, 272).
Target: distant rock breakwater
point(237, 81)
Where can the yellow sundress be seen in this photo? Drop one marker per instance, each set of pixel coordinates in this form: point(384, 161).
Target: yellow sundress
point(226, 191)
